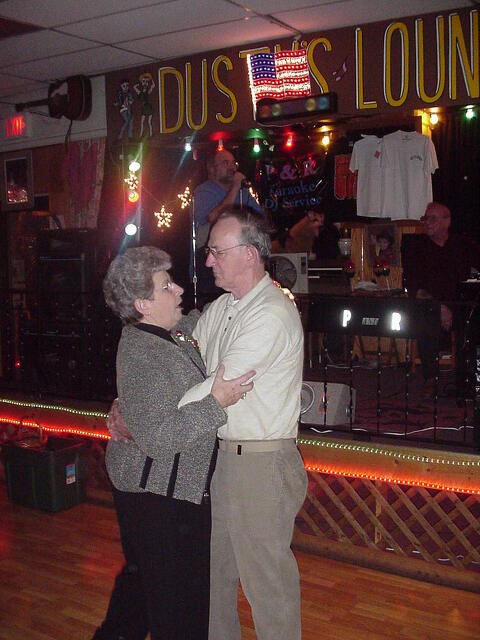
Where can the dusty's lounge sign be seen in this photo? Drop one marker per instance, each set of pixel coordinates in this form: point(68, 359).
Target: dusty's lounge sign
point(417, 62)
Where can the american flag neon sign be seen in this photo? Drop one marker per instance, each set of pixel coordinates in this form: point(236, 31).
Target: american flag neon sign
point(279, 75)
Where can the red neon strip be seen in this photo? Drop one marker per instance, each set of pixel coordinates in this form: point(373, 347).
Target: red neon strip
point(410, 482)
point(88, 433)
point(77, 431)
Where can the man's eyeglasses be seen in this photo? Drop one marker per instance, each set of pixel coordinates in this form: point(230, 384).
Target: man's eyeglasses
point(215, 253)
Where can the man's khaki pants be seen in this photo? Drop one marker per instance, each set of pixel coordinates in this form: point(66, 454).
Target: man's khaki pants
point(255, 498)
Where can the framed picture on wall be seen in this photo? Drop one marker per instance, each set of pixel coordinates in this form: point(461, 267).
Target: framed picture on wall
point(382, 244)
point(16, 188)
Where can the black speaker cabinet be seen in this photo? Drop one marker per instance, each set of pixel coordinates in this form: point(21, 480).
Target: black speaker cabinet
point(338, 403)
point(56, 362)
point(66, 275)
point(71, 360)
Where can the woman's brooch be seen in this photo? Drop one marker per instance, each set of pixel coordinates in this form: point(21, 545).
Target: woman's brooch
point(184, 337)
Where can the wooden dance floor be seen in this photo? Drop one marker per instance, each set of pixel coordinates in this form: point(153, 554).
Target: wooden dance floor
point(57, 569)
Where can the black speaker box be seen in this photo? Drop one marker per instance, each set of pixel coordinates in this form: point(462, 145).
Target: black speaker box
point(70, 360)
point(66, 243)
point(56, 362)
point(67, 276)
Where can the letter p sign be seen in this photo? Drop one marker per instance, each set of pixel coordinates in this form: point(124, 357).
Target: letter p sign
point(346, 317)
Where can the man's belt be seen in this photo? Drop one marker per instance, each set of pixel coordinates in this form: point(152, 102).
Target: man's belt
point(254, 446)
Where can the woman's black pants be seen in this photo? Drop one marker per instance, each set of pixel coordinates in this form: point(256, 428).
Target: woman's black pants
point(164, 586)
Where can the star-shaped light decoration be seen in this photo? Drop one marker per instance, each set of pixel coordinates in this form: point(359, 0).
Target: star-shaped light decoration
point(185, 197)
point(132, 181)
point(164, 218)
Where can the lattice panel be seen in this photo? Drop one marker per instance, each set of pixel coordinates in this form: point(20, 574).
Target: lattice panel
point(436, 526)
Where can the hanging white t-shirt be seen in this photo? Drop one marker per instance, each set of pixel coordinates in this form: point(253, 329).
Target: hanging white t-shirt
point(408, 162)
point(366, 159)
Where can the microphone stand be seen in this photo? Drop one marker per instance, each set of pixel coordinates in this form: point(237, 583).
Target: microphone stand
point(245, 184)
point(194, 256)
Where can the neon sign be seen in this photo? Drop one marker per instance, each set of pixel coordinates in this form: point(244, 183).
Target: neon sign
point(14, 127)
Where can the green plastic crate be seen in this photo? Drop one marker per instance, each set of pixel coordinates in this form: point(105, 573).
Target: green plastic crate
point(51, 478)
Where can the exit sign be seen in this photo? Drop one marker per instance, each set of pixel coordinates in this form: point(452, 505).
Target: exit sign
point(16, 127)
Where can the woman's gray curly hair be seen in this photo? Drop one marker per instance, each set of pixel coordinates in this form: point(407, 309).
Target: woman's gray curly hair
point(130, 276)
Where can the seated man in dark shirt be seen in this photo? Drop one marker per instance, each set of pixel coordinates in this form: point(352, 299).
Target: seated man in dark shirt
point(434, 264)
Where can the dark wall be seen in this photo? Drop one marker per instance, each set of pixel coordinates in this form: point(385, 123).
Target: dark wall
point(457, 181)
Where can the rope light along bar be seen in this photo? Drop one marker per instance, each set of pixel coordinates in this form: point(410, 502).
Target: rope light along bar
point(72, 430)
point(55, 407)
point(409, 482)
point(394, 454)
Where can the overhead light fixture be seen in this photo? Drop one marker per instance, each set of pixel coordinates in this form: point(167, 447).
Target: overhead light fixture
point(256, 146)
point(188, 145)
point(220, 145)
point(326, 140)
point(289, 141)
point(469, 113)
point(433, 119)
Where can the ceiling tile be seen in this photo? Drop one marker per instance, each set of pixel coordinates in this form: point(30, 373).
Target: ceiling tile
point(274, 6)
point(13, 28)
point(10, 85)
point(53, 13)
point(93, 61)
point(209, 38)
point(152, 21)
point(40, 44)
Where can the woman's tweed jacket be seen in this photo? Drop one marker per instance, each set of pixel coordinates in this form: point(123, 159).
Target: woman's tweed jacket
point(152, 376)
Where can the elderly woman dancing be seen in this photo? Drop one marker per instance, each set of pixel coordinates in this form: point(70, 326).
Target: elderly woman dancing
point(160, 478)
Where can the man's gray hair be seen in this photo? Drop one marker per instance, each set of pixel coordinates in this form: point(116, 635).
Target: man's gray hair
point(130, 276)
point(254, 230)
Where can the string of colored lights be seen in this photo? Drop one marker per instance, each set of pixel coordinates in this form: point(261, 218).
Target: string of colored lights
point(54, 407)
point(410, 482)
point(305, 441)
point(394, 453)
point(29, 421)
point(390, 453)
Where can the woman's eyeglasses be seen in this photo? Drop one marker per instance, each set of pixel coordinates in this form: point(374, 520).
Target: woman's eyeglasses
point(168, 286)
